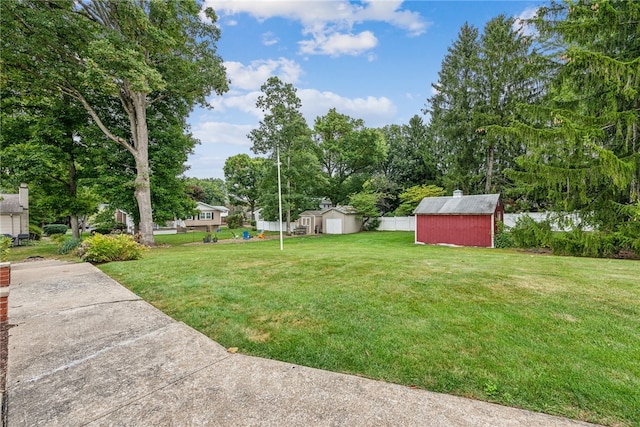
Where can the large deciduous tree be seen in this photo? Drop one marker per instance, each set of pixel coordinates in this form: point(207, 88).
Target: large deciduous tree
point(137, 53)
point(243, 176)
point(42, 144)
point(348, 153)
point(283, 133)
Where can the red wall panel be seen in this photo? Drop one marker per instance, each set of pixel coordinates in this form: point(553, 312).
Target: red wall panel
point(462, 230)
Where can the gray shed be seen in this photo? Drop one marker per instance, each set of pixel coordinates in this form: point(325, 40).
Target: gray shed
point(340, 220)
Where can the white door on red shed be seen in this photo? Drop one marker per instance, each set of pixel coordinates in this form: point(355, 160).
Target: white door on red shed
point(334, 226)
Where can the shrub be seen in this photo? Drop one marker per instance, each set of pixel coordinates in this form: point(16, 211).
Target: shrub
point(35, 232)
point(68, 245)
point(527, 233)
point(100, 248)
point(503, 237)
point(52, 229)
point(589, 243)
point(372, 224)
point(5, 244)
point(235, 221)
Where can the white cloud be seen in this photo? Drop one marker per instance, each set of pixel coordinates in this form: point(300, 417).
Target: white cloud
point(329, 24)
point(337, 44)
point(253, 75)
point(520, 24)
point(269, 39)
point(217, 133)
point(375, 111)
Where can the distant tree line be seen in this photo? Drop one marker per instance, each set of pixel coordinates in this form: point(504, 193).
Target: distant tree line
point(543, 111)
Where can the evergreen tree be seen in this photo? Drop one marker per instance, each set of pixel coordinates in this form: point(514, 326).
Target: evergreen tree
point(506, 79)
point(583, 146)
point(453, 120)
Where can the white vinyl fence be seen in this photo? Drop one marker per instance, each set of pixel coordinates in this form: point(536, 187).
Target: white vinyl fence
point(408, 223)
point(273, 226)
point(397, 223)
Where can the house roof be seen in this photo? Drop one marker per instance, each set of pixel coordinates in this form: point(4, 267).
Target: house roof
point(482, 204)
point(203, 206)
point(222, 208)
point(10, 204)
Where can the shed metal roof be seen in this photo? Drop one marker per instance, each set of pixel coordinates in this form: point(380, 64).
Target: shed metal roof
point(482, 204)
point(10, 204)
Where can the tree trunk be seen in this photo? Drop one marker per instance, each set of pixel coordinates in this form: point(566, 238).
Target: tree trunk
point(73, 192)
point(142, 190)
point(75, 229)
point(489, 176)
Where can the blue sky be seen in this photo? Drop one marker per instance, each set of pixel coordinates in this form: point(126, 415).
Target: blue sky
point(371, 60)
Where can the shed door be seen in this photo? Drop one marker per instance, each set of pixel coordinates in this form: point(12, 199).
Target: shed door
point(334, 226)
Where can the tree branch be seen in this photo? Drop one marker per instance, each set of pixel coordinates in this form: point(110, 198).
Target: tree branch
point(119, 140)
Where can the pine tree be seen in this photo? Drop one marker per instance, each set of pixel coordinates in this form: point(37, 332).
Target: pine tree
point(453, 123)
point(583, 146)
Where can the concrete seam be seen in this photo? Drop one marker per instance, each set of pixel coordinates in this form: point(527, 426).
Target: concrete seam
point(136, 399)
point(91, 356)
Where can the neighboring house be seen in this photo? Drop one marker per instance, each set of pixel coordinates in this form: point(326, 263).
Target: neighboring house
point(459, 220)
point(126, 219)
point(224, 213)
point(14, 212)
point(209, 218)
point(311, 220)
point(340, 220)
point(325, 204)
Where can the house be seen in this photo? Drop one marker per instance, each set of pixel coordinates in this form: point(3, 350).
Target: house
point(14, 212)
point(209, 218)
point(224, 213)
point(340, 220)
point(311, 220)
point(459, 220)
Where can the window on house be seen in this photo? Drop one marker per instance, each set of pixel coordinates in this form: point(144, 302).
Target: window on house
point(204, 215)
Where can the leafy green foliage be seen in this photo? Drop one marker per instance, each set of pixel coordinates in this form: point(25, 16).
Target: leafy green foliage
point(127, 64)
point(100, 248)
point(68, 245)
point(235, 221)
point(411, 197)
point(591, 244)
point(366, 205)
point(5, 244)
point(51, 229)
point(346, 149)
point(35, 232)
point(503, 238)
point(527, 233)
point(243, 176)
point(583, 142)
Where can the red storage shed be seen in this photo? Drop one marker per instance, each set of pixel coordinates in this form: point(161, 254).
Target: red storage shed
point(459, 220)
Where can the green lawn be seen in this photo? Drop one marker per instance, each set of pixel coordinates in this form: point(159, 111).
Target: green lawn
point(554, 334)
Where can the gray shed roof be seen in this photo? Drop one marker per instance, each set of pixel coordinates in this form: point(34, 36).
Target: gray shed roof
point(10, 204)
point(483, 204)
point(311, 213)
point(345, 210)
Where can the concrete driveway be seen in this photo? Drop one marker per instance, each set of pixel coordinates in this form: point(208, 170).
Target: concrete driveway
point(84, 350)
